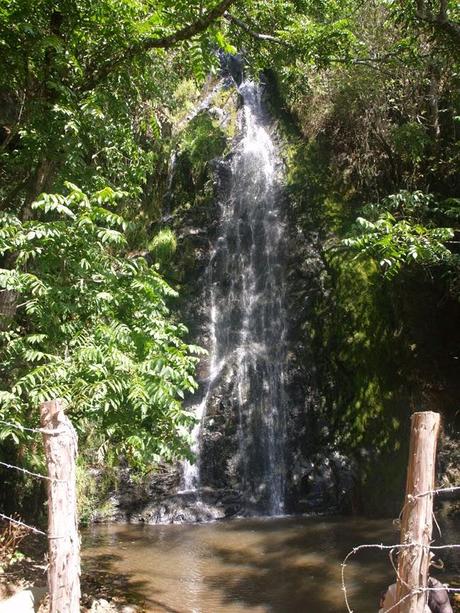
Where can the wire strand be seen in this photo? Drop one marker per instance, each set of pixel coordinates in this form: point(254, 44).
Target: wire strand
point(391, 547)
point(21, 523)
point(32, 474)
point(421, 590)
point(441, 490)
point(19, 426)
point(35, 430)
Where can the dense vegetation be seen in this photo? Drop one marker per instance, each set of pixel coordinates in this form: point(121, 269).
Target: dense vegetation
point(92, 98)
point(374, 184)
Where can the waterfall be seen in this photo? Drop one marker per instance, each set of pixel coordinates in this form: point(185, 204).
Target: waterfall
point(245, 290)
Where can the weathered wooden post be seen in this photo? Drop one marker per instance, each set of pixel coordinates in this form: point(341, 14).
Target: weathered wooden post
point(417, 517)
point(60, 441)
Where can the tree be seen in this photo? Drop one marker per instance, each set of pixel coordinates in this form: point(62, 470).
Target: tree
point(78, 77)
point(94, 328)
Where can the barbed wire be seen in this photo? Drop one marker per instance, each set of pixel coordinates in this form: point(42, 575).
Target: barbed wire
point(32, 528)
point(441, 490)
point(380, 546)
point(411, 498)
point(35, 430)
point(32, 474)
point(392, 548)
point(435, 521)
point(19, 426)
point(421, 590)
point(21, 523)
point(395, 568)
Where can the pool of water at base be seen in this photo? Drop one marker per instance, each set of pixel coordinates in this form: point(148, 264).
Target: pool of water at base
point(272, 565)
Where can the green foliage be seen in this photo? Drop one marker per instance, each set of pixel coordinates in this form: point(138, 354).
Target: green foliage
point(384, 104)
point(320, 42)
point(163, 245)
point(364, 346)
point(450, 209)
point(416, 206)
point(93, 488)
point(410, 141)
point(203, 140)
point(93, 327)
point(398, 243)
point(185, 97)
point(84, 97)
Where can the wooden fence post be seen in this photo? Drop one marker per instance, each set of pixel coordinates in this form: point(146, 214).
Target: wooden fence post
point(60, 441)
point(417, 517)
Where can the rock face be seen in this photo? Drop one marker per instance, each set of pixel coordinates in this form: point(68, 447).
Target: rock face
point(261, 445)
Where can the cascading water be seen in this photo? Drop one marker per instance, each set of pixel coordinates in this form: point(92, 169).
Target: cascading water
point(245, 289)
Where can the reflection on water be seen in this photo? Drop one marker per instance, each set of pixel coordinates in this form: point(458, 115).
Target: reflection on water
point(282, 565)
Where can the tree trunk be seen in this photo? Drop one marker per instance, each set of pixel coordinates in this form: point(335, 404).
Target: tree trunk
point(433, 103)
point(40, 181)
point(60, 441)
point(8, 302)
point(417, 519)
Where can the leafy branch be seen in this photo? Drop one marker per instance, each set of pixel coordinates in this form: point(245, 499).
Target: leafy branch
point(94, 328)
point(397, 243)
point(163, 42)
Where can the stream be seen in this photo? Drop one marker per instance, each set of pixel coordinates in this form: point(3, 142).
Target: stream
point(276, 565)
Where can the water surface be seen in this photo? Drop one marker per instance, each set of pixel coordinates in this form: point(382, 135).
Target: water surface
point(277, 565)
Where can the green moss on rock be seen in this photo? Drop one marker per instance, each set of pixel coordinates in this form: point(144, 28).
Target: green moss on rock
point(351, 327)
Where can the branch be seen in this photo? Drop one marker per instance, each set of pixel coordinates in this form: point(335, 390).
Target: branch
point(451, 27)
point(164, 42)
point(374, 62)
point(257, 35)
point(443, 10)
point(441, 20)
point(279, 41)
point(186, 33)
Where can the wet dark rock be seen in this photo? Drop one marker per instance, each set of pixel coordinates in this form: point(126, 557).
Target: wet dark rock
point(233, 482)
point(206, 504)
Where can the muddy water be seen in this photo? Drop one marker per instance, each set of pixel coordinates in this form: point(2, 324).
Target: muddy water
point(287, 565)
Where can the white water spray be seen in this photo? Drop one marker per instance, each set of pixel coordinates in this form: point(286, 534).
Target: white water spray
point(247, 326)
